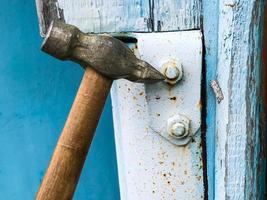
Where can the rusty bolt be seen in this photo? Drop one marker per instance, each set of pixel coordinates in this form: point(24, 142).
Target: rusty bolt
point(178, 126)
point(173, 71)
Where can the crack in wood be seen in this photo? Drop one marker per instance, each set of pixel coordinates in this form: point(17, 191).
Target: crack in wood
point(151, 19)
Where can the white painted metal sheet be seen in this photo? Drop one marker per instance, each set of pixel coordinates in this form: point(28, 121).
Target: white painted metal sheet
point(151, 166)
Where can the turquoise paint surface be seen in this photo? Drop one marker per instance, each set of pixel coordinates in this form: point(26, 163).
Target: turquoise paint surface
point(36, 93)
point(210, 29)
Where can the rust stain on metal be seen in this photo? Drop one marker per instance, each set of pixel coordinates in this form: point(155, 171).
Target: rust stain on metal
point(199, 105)
point(173, 98)
point(157, 97)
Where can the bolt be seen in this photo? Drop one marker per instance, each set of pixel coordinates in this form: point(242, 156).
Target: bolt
point(178, 130)
point(178, 126)
point(173, 71)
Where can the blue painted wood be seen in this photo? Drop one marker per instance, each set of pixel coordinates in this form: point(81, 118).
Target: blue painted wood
point(210, 30)
point(234, 148)
point(36, 92)
point(100, 16)
point(173, 15)
point(239, 165)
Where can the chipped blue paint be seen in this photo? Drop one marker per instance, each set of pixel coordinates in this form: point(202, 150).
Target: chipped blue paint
point(238, 162)
point(107, 16)
point(173, 15)
point(35, 96)
point(210, 29)
point(233, 145)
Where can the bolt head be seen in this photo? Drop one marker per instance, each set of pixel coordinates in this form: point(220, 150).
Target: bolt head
point(173, 71)
point(178, 130)
point(178, 126)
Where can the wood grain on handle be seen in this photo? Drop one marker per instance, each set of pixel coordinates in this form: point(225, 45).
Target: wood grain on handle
point(68, 159)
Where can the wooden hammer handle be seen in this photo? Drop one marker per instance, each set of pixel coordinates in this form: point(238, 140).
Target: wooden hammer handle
point(68, 159)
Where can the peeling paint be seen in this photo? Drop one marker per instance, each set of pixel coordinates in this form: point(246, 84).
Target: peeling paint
point(217, 90)
point(118, 16)
point(238, 115)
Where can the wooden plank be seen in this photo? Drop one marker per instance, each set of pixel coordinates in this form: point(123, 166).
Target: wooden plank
point(121, 15)
point(263, 136)
point(210, 32)
point(173, 15)
point(97, 15)
point(238, 160)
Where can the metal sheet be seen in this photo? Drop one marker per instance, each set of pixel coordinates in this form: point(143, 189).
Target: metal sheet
point(151, 166)
point(165, 100)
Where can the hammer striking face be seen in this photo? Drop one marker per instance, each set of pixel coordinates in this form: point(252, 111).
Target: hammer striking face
point(107, 55)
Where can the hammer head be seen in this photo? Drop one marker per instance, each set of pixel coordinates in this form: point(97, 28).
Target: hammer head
point(107, 55)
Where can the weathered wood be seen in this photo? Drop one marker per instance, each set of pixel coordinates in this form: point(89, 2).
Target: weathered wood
point(68, 159)
point(173, 15)
point(262, 167)
point(97, 15)
point(121, 16)
point(210, 32)
point(264, 89)
point(238, 161)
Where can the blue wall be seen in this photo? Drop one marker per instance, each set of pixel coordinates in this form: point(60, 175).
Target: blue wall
point(36, 92)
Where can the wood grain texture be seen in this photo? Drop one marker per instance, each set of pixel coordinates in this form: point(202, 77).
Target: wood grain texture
point(263, 122)
point(173, 15)
point(68, 159)
point(238, 162)
point(99, 16)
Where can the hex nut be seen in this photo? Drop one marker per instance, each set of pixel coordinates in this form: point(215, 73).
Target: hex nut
point(178, 126)
point(173, 71)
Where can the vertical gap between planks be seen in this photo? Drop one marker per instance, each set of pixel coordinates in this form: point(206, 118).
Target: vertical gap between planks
point(204, 124)
point(204, 112)
point(151, 20)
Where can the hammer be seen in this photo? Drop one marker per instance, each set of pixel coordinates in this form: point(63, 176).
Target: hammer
point(104, 59)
